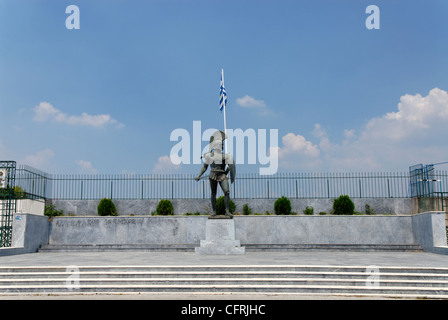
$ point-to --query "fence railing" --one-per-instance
(38, 184)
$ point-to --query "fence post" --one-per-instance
(388, 188)
(297, 190)
(360, 194)
(268, 189)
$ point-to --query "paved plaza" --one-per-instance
(331, 258)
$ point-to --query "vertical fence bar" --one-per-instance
(360, 194)
(268, 188)
(388, 188)
(297, 190)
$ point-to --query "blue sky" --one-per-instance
(105, 98)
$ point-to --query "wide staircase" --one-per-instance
(359, 281)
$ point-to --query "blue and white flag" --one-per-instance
(222, 93)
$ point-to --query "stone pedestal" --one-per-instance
(220, 238)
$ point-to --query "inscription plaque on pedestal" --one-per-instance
(220, 238)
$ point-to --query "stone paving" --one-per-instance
(404, 259)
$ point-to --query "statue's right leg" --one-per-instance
(213, 188)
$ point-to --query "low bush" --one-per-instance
(343, 206)
(106, 207)
(165, 208)
(308, 211)
(221, 208)
(51, 211)
(247, 210)
(369, 210)
(282, 206)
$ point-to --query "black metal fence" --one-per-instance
(36, 183)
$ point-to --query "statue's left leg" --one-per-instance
(225, 189)
(213, 189)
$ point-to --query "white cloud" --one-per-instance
(165, 165)
(415, 133)
(421, 111)
(299, 145)
(85, 167)
(248, 101)
(416, 115)
(318, 132)
(297, 153)
(45, 111)
(349, 134)
(258, 105)
(40, 159)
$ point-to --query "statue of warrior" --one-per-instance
(218, 171)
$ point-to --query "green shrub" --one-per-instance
(308, 210)
(221, 208)
(106, 208)
(322, 213)
(282, 206)
(196, 213)
(19, 193)
(343, 206)
(246, 210)
(50, 211)
(369, 210)
(165, 208)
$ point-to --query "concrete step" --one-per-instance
(395, 291)
(116, 247)
(199, 269)
(5, 283)
(116, 276)
(334, 247)
(349, 280)
(249, 247)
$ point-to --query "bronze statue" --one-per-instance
(218, 171)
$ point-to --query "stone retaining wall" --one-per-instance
(425, 229)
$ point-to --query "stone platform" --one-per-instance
(220, 238)
(261, 233)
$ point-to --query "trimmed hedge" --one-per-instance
(165, 208)
(343, 206)
(106, 207)
(282, 206)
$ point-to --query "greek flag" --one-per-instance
(222, 93)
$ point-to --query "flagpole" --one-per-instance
(224, 110)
